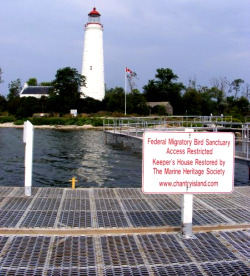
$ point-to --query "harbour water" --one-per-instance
(61, 154)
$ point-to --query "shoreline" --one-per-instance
(63, 127)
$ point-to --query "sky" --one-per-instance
(197, 39)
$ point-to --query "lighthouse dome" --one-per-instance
(94, 13)
(94, 16)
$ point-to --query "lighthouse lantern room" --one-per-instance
(93, 58)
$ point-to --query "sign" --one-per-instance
(188, 162)
(73, 112)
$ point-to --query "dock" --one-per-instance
(116, 231)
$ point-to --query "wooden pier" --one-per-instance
(121, 232)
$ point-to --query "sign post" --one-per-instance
(28, 134)
(187, 215)
(187, 163)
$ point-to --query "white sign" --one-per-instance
(73, 112)
(188, 162)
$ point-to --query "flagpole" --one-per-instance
(125, 87)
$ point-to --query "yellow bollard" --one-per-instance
(73, 180)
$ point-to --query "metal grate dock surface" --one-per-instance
(115, 208)
(121, 232)
(152, 254)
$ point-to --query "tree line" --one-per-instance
(223, 97)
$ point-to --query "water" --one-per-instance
(61, 154)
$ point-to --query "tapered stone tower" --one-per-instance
(93, 60)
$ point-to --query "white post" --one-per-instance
(186, 215)
(28, 135)
(125, 87)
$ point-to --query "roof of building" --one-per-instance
(36, 90)
(152, 104)
(94, 12)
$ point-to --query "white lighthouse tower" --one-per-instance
(93, 60)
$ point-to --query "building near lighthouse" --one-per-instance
(93, 58)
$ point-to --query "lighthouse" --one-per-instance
(93, 60)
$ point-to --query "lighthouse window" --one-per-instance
(90, 67)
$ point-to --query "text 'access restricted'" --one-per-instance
(188, 162)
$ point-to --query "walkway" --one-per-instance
(121, 232)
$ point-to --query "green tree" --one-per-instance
(136, 103)
(27, 107)
(3, 103)
(115, 99)
(236, 86)
(14, 90)
(192, 101)
(165, 88)
(89, 105)
(238, 108)
(32, 82)
(1, 73)
(66, 89)
(159, 110)
(46, 83)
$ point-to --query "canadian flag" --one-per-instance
(128, 70)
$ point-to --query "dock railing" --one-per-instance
(136, 126)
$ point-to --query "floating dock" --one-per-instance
(121, 232)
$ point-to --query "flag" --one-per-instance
(128, 71)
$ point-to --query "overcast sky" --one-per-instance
(199, 39)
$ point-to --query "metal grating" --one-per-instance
(243, 191)
(77, 204)
(104, 193)
(165, 204)
(129, 193)
(136, 204)
(183, 270)
(205, 217)
(219, 203)
(240, 241)
(17, 204)
(5, 191)
(39, 219)
(108, 204)
(145, 219)
(152, 254)
(171, 218)
(46, 204)
(120, 251)
(215, 253)
(28, 252)
(239, 215)
(163, 249)
(111, 219)
(50, 192)
(22, 272)
(20, 192)
(77, 193)
(242, 202)
(75, 219)
(10, 218)
(72, 272)
(226, 269)
(208, 248)
(3, 241)
(126, 271)
(72, 252)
